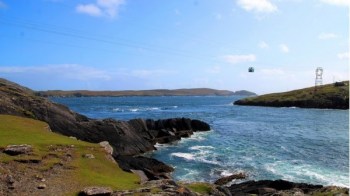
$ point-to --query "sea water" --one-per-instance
(300, 145)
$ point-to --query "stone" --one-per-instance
(100, 191)
(108, 148)
(18, 149)
(88, 156)
(41, 186)
(141, 174)
(227, 179)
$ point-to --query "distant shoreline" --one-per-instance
(156, 92)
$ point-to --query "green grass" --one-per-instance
(200, 187)
(85, 172)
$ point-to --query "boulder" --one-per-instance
(18, 149)
(152, 168)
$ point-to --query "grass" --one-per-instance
(86, 172)
(200, 187)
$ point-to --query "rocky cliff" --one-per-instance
(127, 137)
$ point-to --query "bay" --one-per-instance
(300, 145)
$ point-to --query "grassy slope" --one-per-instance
(86, 172)
(326, 96)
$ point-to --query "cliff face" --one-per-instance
(127, 137)
(332, 96)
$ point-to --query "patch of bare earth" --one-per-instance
(50, 174)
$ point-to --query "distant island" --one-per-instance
(156, 92)
(331, 96)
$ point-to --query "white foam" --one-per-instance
(186, 156)
(201, 147)
(134, 110)
(298, 172)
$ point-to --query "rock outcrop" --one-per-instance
(282, 187)
(126, 137)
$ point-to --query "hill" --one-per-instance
(156, 92)
(332, 96)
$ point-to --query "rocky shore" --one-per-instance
(130, 139)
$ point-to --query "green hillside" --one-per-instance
(60, 160)
(333, 96)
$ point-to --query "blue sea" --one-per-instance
(300, 145)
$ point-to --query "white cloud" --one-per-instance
(90, 9)
(263, 45)
(71, 71)
(327, 36)
(108, 8)
(344, 55)
(337, 2)
(234, 59)
(284, 48)
(258, 6)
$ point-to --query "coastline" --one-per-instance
(131, 128)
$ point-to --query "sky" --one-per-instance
(157, 44)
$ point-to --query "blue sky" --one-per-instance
(136, 44)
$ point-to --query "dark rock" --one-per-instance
(269, 187)
(18, 149)
(227, 179)
(152, 168)
(100, 191)
(41, 186)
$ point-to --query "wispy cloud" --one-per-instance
(146, 73)
(218, 16)
(263, 45)
(71, 71)
(257, 6)
(90, 9)
(343, 55)
(327, 36)
(284, 48)
(273, 71)
(337, 2)
(213, 70)
(108, 8)
(177, 12)
(235, 59)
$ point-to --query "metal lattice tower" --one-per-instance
(318, 80)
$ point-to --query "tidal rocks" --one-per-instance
(270, 187)
(227, 179)
(18, 149)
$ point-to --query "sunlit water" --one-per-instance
(301, 145)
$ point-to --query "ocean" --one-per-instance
(295, 144)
